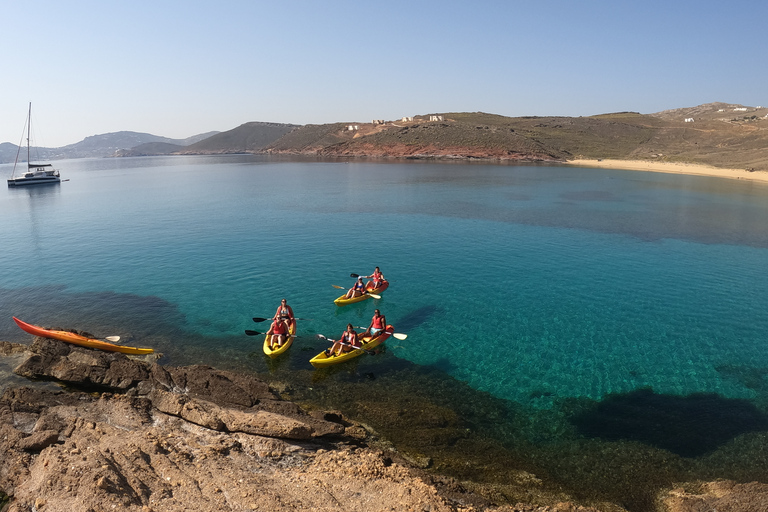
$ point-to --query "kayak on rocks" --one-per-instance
(77, 339)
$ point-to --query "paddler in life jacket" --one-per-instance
(376, 279)
(348, 337)
(285, 314)
(378, 324)
(356, 290)
(279, 332)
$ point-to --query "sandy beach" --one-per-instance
(669, 167)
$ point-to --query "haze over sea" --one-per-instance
(539, 285)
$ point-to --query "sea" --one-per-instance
(589, 333)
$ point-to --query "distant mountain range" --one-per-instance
(105, 145)
(719, 134)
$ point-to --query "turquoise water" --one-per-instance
(575, 282)
(533, 283)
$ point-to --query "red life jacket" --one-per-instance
(279, 328)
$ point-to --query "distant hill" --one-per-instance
(719, 134)
(104, 145)
(151, 149)
(247, 138)
(8, 152)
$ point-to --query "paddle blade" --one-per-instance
(339, 287)
(374, 295)
(252, 333)
(399, 335)
(257, 319)
(354, 275)
(113, 339)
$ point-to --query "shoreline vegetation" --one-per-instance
(670, 167)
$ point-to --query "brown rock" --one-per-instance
(39, 441)
(724, 495)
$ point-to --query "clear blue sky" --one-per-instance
(177, 69)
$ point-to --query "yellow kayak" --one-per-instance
(343, 301)
(76, 339)
(286, 345)
(321, 360)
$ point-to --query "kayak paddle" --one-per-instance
(397, 335)
(259, 319)
(346, 344)
(248, 332)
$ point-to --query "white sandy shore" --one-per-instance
(645, 165)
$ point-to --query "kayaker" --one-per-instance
(278, 330)
(285, 314)
(376, 279)
(348, 337)
(356, 290)
(378, 323)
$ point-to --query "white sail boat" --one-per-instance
(36, 173)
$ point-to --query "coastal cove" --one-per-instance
(541, 303)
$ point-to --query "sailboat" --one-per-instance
(36, 173)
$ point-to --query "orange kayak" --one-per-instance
(77, 339)
(370, 289)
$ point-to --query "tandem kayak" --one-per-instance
(286, 345)
(76, 339)
(343, 301)
(321, 360)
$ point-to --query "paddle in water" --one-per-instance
(397, 335)
(259, 319)
(249, 332)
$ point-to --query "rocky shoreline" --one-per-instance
(130, 434)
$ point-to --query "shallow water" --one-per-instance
(543, 287)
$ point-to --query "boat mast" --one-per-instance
(29, 127)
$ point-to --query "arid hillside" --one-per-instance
(717, 134)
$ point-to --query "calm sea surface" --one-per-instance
(539, 286)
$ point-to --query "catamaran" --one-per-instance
(36, 173)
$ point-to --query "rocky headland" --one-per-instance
(122, 433)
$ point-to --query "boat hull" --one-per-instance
(76, 339)
(286, 345)
(19, 182)
(321, 360)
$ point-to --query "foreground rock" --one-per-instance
(133, 435)
(138, 436)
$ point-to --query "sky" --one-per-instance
(178, 69)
